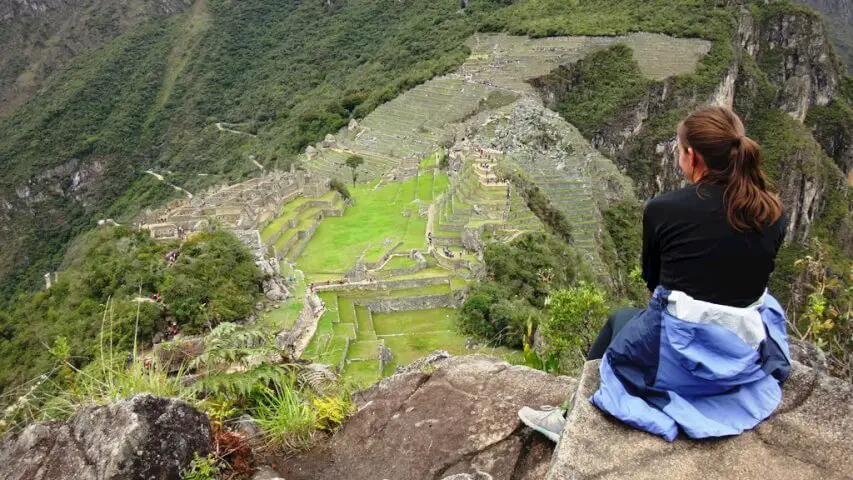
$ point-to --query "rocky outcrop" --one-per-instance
(145, 437)
(272, 284)
(11, 10)
(797, 56)
(455, 416)
(809, 437)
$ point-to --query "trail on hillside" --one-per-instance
(226, 129)
(160, 177)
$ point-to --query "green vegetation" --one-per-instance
(520, 276)
(353, 162)
(339, 187)
(371, 227)
(832, 127)
(152, 98)
(202, 468)
(197, 293)
(602, 86)
(538, 203)
(624, 223)
(113, 266)
(575, 316)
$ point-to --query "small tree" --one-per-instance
(353, 162)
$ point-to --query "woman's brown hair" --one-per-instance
(733, 160)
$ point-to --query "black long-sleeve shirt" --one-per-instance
(689, 245)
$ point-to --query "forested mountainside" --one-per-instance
(838, 15)
(39, 36)
(202, 95)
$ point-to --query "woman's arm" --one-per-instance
(651, 252)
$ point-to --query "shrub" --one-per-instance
(340, 187)
(575, 316)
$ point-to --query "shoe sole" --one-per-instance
(551, 435)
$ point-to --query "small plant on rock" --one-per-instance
(286, 416)
(202, 468)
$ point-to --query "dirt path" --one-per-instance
(160, 177)
(226, 129)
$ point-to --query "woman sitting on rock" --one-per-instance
(709, 352)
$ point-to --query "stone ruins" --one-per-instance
(242, 207)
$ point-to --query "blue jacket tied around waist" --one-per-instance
(661, 372)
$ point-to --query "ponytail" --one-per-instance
(749, 205)
(733, 160)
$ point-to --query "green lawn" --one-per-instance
(408, 348)
(285, 316)
(415, 233)
(346, 310)
(429, 161)
(362, 373)
(417, 321)
(425, 185)
(399, 262)
(365, 329)
(376, 216)
(439, 185)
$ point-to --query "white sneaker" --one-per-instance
(548, 421)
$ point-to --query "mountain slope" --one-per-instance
(39, 36)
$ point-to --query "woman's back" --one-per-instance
(689, 245)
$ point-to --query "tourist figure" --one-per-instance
(708, 354)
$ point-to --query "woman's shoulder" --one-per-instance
(673, 200)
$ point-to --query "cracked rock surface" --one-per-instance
(458, 416)
(145, 437)
(809, 437)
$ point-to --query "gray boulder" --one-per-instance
(145, 437)
(457, 416)
(809, 437)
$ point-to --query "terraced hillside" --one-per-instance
(477, 201)
(287, 234)
(488, 102)
(414, 124)
(384, 275)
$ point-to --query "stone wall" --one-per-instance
(405, 304)
(447, 241)
(451, 263)
(386, 284)
(304, 236)
(396, 272)
(385, 256)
